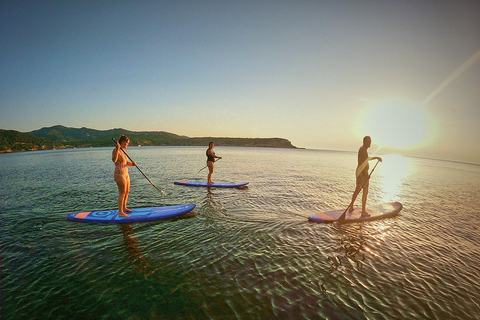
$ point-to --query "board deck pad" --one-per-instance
(138, 214)
(205, 184)
(379, 211)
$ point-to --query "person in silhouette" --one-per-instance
(121, 176)
(362, 174)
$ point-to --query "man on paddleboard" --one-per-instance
(362, 174)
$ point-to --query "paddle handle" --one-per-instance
(207, 166)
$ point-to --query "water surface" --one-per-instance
(245, 253)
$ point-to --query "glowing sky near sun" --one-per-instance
(319, 73)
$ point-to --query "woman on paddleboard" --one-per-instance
(211, 161)
(120, 175)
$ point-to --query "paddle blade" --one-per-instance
(163, 192)
(341, 219)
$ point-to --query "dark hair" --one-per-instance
(210, 144)
(123, 138)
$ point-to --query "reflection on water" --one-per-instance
(350, 252)
(355, 245)
(134, 251)
(393, 171)
(212, 204)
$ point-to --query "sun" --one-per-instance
(396, 124)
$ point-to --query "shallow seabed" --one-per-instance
(244, 253)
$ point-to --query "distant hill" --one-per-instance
(14, 141)
(61, 137)
(85, 137)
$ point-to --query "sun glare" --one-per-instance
(393, 170)
(397, 124)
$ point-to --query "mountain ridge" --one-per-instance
(60, 136)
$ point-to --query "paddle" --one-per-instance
(342, 217)
(206, 166)
(163, 192)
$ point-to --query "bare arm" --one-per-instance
(210, 153)
(115, 153)
(115, 156)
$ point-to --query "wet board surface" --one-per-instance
(138, 214)
(379, 211)
(205, 184)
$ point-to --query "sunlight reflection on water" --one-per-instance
(394, 169)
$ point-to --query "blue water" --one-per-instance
(244, 253)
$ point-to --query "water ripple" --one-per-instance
(243, 253)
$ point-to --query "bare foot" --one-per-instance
(210, 182)
(350, 209)
(123, 215)
(365, 214)
(128, 210)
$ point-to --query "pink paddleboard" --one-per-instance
(379, 211)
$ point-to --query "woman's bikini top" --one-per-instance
(209, 157)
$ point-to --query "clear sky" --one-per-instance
(319, 73)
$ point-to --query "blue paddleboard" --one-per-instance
(379, 211)
(138, 214)
(204, 184)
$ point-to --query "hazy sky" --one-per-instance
(319, 73)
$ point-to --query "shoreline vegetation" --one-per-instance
(61, 137)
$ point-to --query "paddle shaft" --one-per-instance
(163, 192)
(206, 166)
(342, 217)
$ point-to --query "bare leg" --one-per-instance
(354, 196)
(364, 201)
(211, 167)
(127, 192)
(121, 184)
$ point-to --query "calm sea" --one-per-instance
(244, 253)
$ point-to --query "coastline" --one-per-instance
(61, 137)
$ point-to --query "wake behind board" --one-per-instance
(379, 211)
(204, 184)
(138, 214)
